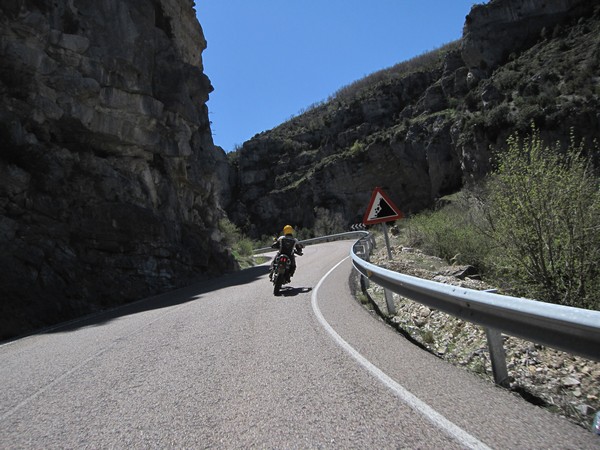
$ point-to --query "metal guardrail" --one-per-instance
(573, 330)
(320, 240)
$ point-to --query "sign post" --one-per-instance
(387, 240)
(381, 210)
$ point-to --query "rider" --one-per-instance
(288, 245)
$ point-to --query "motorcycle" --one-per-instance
(280, 271)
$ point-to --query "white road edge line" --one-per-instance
(451, 429)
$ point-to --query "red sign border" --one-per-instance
(399, 214)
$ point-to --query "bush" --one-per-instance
(536, 225)
(245, 247)
(453, 232)
(544, 211)
(240, 245)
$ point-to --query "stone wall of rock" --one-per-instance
(494, 30)
(108, 172)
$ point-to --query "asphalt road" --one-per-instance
(225, 364)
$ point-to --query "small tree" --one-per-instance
(545, 216)
(241, 246)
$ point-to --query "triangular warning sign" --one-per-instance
(381, 209)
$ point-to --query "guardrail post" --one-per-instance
(362, 251)
(367, 256)
(389, 300)
(497, 356)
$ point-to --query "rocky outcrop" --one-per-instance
(332, 157)
(495, 30)
(429, 126)
(108, 172)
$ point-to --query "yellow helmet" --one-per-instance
(288, 229)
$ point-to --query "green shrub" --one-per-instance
(453, 232)
(498, 116)
(240, 245)
(357, 147)
(231, 233)
(544, 211)
(534, 228)
(245, 247)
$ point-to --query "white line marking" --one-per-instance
(454, 431)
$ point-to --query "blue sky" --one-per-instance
(269, 59)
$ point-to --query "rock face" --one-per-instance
(332, 157)
(108, 172)
(427, 127)
(495, 30)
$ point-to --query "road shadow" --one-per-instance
(167, 299)
(288, 291)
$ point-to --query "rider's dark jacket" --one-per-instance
(286, 245)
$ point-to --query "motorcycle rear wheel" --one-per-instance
(277, 282)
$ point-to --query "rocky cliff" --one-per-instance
(108, 172)
(494, 30)
(427, 127)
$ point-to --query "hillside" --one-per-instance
(426, 127)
